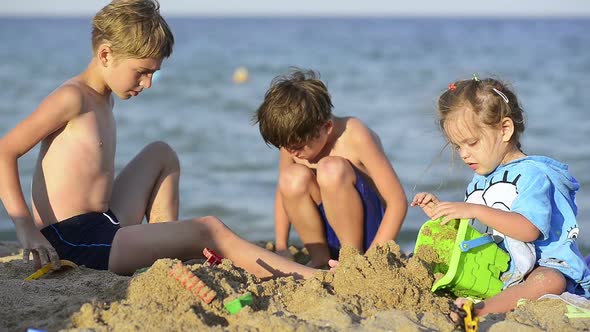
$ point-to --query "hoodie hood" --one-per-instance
(559, 175)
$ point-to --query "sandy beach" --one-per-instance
(381, 291)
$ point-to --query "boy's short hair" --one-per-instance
(294, 109)
(134, 29)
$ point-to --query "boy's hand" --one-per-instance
(453, 210)
(35, 243)
(427, 202)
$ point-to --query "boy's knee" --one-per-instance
(295, 180)
(123, 240)
(164, 153)
(334, 172)
(208, 226)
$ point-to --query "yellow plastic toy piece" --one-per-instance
(471, 321)
(48, 268)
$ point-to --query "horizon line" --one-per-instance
(320, 15)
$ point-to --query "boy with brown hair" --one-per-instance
(81, 212)
(336, 185)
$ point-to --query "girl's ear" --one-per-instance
(104, 53)
(507, 127)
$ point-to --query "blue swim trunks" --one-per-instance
(85, 239)
(373, 211)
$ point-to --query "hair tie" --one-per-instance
(501, 95)
(452, 87)
(475, 78)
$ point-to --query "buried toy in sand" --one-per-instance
(192, 283)
(48, 268)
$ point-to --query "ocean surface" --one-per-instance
(386, 71)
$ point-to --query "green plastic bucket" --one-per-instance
(470, 261)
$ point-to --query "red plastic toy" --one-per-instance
(192, 283)
(213, 258)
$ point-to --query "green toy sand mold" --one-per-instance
(470, 261)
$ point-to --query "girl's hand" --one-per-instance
(453, 210)
(427, 202)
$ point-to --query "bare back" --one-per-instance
(74, 172)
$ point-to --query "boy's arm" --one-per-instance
(282, 224)
(379, 168)
(52, 114)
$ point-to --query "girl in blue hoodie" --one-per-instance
(527, 202)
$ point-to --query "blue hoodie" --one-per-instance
(542, 190)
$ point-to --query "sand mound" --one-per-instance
(382, 291)
(383, 282)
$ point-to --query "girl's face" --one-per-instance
(481, 147)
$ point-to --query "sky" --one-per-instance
(501, 8)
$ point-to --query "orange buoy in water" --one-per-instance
(240, 75)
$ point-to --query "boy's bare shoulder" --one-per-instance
(67, 99)
(358, 131)
(354, 123)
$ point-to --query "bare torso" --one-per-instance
(74, 172)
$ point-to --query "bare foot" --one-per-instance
(320, 266)
(457, 312)
(333, 264)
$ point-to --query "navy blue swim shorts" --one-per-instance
(373, 212)
(85, 239)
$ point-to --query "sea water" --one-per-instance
(388, 72)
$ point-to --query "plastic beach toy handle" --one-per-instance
(480, 241)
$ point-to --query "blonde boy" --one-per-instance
(336, 185)
(80, 211)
